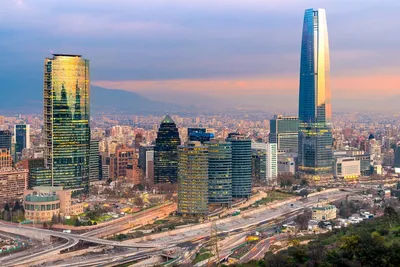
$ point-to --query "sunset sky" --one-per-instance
(241, 52)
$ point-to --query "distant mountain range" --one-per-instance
(102, 100)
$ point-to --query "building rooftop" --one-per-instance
(167, 119)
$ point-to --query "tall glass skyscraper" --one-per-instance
(66, 120)
(315, 129)
(166, 152)
(241, 165)
(219, 172)
(22, 137)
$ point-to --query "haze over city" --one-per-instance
(205, 53)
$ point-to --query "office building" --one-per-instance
(5, 140)
(219, 172)
(347, 168)
(199, 134)
(193, 179)
(66, 121)
(22, 137)
(259, 161)
(94, 164)
(12, 184)
(284, 131)
(315, 114)
(143, 149)
(241, 165)
(166, 152)
(272, 164)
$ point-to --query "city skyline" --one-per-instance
(161, 55)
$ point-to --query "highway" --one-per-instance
(17, 229)
(141, 219)
(153, 244)
(238, 223)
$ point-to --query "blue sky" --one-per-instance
(246, 52)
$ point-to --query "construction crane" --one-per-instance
(214, 244)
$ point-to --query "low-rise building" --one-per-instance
(322, 213)
(346, 168)
(42, 203)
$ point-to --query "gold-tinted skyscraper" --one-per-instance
(66, 120)
(315, 114)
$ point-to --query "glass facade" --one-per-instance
(284, 132)
(66, 120)
(94, 162)
(5, 140)
(166, 152)
(199, 134)
(241, 165)
(22, 137)
(315, 129)
(193, 179)
(219, 172)
(259, 161)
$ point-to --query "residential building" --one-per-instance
(12, 184)
(272, 164)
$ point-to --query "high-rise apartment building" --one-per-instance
(22, 137)
(284, 132)
(241, 165)
(94, 162)
(219, 172)
(12, 184)
(66, 120)
(166, 152)
(193, 179)
(315, 114)
(272, 164)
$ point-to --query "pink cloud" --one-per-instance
(342, 86)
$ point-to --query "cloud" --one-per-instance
(209, 47)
